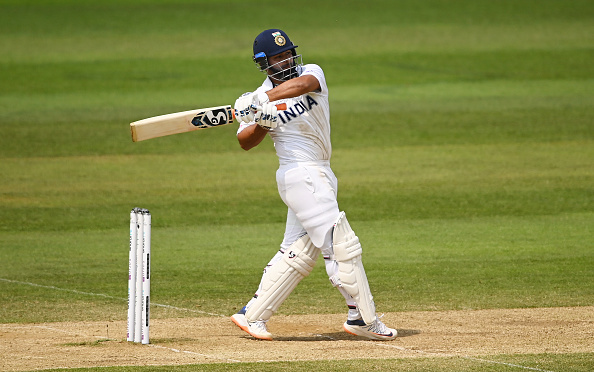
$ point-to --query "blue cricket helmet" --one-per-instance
(272, 42)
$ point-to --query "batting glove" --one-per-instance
(267, 116)
(259, 99)
(243, 108)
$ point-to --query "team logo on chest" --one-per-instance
(298, 109)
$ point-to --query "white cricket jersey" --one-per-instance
(303, 132)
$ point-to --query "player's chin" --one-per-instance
(291, 73)
(287, 74)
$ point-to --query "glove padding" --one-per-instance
(267, 116)
(244, 112)
(259, 99)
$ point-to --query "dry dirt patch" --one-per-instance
(307, 337)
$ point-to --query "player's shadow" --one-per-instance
(340, 336)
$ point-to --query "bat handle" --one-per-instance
(280, 106)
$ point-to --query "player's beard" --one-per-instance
(284, 74)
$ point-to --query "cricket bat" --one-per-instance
(185, 121)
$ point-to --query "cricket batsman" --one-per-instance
(307, 185)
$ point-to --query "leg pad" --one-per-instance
(282, 277)
(347, 253)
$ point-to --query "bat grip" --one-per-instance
(280, 106)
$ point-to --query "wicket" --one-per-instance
(139, 278)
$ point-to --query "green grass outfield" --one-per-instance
(463, 135)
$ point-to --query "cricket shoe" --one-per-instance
(375, 331)
(240, 320)
(256, 329)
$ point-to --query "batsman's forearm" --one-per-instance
(294, 88)
(251, 137)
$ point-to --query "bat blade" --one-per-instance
(185, 121)
(181, 122)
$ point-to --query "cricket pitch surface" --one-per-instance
(466, 334)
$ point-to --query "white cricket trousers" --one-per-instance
(309, 190)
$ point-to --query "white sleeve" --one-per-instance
(318, 73)
(243, 125)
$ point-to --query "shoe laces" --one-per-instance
(260, 325)
(377, 326)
